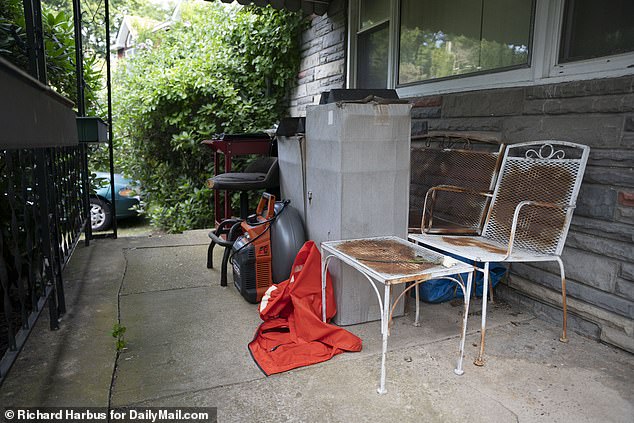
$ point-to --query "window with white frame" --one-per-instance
(592, 29)
(451, 45)
(373, 44)
(445, 38)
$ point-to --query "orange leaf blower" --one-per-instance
(252, 255)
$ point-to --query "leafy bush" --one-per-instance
(218, 69)
(59, 46)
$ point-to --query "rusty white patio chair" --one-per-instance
(448, 212)
(470, 164)
(529, 216)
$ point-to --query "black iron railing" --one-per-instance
(42, 214)
(44, 184)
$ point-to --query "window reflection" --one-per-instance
(372, 57)
(440, 38)
(372, 12)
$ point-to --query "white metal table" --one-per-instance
(390, 261)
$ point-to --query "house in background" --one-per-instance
(128, 34)
(511, 71)
(133, 27)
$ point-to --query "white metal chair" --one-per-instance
(462, 213)
(529, 216)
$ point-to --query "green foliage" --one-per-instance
(59, 44)
(218, 69)
(427, 55)
(13, 33)
(93, 17)
(118, 332)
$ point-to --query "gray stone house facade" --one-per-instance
(323, 64)
(562, 89)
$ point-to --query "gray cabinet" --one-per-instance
(357, 177)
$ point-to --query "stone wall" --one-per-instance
(323, 60)
(599, 253)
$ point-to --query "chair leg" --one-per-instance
(244, 204)
(479, 361)
(564, 336)
(491, 289)
(223, 269)
(210, 255)
(233, 234)
(417, 319)
(459, 370)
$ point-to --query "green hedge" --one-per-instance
(217, 69)
(59, 45)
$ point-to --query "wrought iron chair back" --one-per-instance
(529, 217)
(449, 211)
(543, 179)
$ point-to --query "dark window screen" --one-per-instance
(372, 57)
(596, 28)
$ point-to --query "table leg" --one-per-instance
(385, 319)
(467, 297)
(479, 361)
(324, 261)
(417, 319)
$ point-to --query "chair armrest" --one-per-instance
(426, 224)
(516, 215)
(226, 224)
(224, 229)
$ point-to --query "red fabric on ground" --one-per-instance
(293, 334)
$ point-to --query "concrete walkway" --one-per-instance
(187, 346)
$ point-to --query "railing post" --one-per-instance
(41, 176)
(86, 194)
(6, 301)
(110, 129)
(58, 241)
(35, 37)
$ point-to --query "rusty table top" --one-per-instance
(392, 260)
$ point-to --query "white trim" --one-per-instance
(393, 49)
(616, 65)
(267, 296)
(622, 63)
(353, 24)
(543, 34)
(354, 29)
(555, 10)
(476, 82)
(544, 67)
(374, 25)
(506, 79)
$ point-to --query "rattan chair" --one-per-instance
(529, 216)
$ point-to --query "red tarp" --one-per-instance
(293, 334)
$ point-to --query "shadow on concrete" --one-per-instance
(187, 346)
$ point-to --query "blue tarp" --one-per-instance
(441, 290)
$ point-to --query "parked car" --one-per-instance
(127, 200)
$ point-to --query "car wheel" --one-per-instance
(100, 215)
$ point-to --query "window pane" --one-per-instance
(596, 29)
(373, 11)
(440, 38)
(372, 48)
(506, 27)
